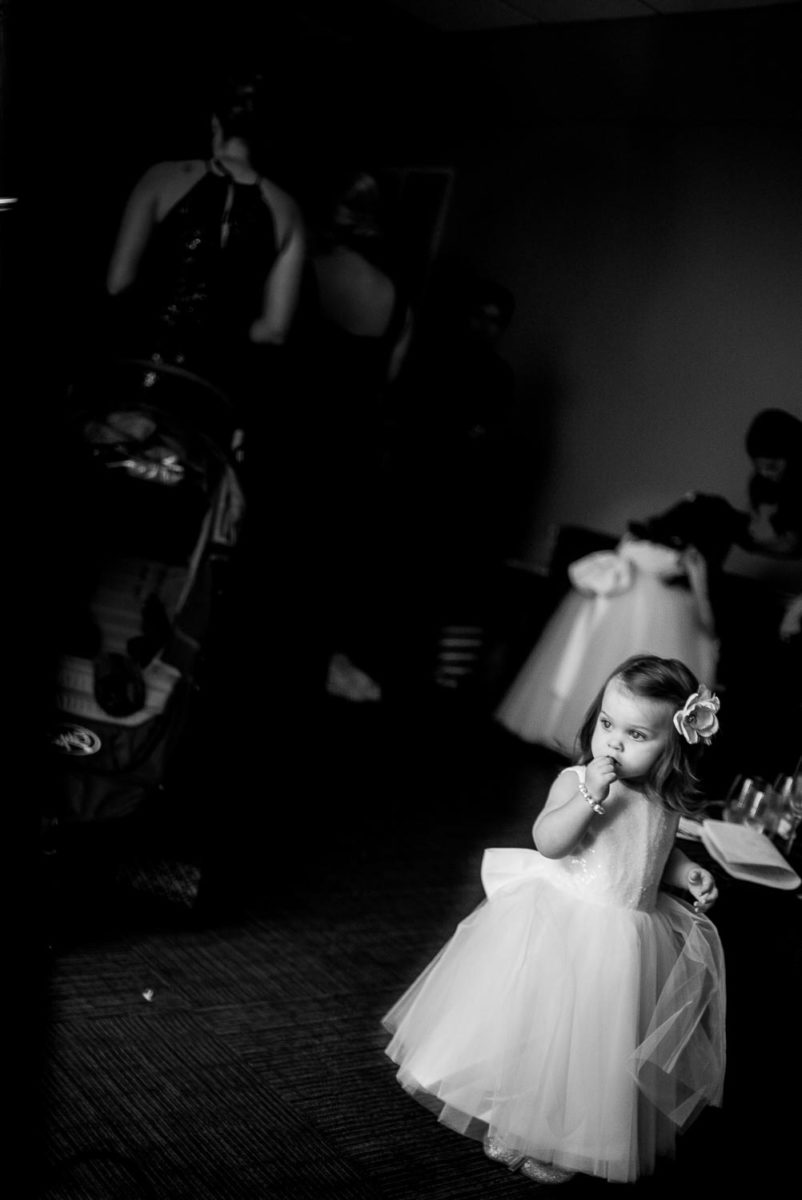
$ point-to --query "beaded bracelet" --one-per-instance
(594, 804)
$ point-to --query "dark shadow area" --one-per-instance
(215, 920)
(235, 1047)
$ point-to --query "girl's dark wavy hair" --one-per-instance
(672, 778)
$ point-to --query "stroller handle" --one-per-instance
(214, 420)
(169, 371)
(157, 369)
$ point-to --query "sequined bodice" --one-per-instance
(202, 280)
(621, 859)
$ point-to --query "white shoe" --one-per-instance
(348, 682)
(496, 1150)
(540, 1172)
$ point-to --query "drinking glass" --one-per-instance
(746, 801)
(789, 787)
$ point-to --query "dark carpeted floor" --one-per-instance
(232, 1050)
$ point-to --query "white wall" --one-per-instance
(658, 279)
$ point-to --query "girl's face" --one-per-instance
(632, 730)
(771, 469)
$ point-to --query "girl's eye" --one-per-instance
(637, 735)
(605, 724)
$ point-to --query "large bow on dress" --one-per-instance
(504, 865)
(603, 573)
(600, 576)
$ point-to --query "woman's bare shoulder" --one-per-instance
(162, 173)
(165, 183)
(282, 203)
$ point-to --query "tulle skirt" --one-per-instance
(585, 640)
(577, 1033)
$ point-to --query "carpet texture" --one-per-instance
(233, 1050)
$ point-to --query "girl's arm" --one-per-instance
(696, 566)
(283, 284)
(566, 814)
(791, 623)
(764, 538)
(681, 872)
(400, 349)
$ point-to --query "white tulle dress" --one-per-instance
(621, 603)
(577, 1015)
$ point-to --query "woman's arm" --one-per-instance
(283, 284)
(139, 218)
(567, 814)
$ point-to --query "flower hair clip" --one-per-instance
(697, 720)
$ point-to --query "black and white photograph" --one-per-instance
(404, 587)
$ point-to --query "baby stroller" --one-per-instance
(149, 457)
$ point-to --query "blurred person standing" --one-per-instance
(205, 278)
(460, 411)
(356, 326)
(761, 642)
(774, 445)
(208, 258)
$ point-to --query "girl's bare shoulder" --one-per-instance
(563, 787)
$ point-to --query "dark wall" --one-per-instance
(97, 94)
(636, 183)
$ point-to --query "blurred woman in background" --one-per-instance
(356, 326)
(209, 254)
(774, 444)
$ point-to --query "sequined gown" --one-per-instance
(578, 1013)
(202, 278)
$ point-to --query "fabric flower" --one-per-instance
(697, 721)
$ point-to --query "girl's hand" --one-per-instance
(791, 624)
(702, 887)
(600, 773)
(695, 564)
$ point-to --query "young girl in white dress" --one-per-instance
(575, 1020)
(651, 595)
